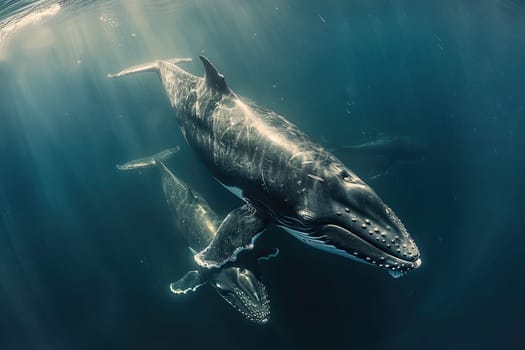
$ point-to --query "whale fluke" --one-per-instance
(147, 67)
(150, 161)
(214, 79)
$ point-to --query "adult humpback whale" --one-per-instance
(198, 223)
(282, 175)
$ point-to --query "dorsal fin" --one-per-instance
(214, 79)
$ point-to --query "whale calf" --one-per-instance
(281, 174)
(198, 223)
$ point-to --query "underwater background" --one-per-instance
(87, 252)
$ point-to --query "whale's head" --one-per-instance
(243, 291)
(347, 217)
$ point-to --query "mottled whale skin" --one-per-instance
(195, 220)
(284, 177)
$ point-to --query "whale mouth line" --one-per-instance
(367, 251)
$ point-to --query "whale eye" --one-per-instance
(346, 176)
(306, 214)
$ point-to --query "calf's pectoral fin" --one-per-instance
(236, 233)
(188, 283)
(265, 254)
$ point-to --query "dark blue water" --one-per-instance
(87, 253)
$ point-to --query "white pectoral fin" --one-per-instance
(188, 283)
(237, 232)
